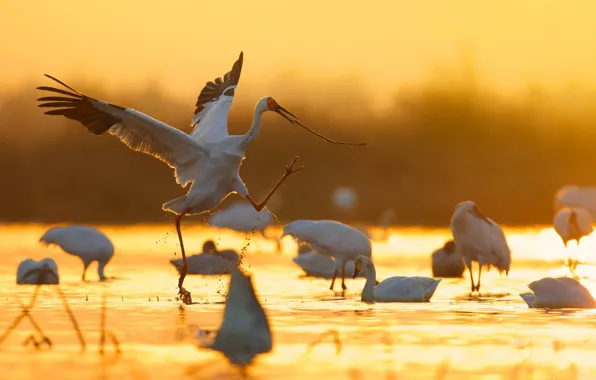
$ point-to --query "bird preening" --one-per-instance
(208, 158)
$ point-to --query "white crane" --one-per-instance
(209, 158)
(43, 272)
(572, 224)
(243, 217)
(244, 332)
(393, 289)
(88, 243)
(558, 293)
(331, 238)
(478, 238)
(577, 196)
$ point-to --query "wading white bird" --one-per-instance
(85, 242)
(43, 272)
(210, 262)
(393, 289)
(558, 293)
(209, 158)
(572, 224)
(244, 332)
(315, 264)
(447, 262)
(243, 217)
(478, 238)
(331, 238)
(576, 196)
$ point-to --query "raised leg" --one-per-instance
(183, 293)
(343, 277)
(289, 171)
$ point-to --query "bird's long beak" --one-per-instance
(294, 120)
(356, 270)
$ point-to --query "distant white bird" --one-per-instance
(447, 262)
(393, 289)
(572, 224)
(243, 217)
(209, 159)
(558, 293)
(87, 243)
(210, 262)
(43, 272)
(478, 238)
(331, 238)
(576, 196)
(316, 264)
(244, 332)
(344, 198)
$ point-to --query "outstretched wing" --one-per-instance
(211, 113)
(135, 129)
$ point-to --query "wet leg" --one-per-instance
(333, 281)
(343, 277)
(478, 282)
(183, 293)
(471, 277)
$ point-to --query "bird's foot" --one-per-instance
(290, 169)
(344, 287)
(184, 296)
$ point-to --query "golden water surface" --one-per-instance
(452, 337)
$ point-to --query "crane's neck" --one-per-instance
(253, 132)
(368, 293)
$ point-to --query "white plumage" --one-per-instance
(572, 224)
(43, 272)
(393, 289)
(447, 262)
(210, 262)
(315, 264)
(243, 217)
(209, 158)
(478, 238)
(244, 332)
(576, 196)
(87, 243)
(331, 238)
(558, 293)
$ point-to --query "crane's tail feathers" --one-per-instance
(176, 205)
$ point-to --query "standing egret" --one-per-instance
(243, 217)
(331, 238)
(209, 158)
(478, 238)
(85, 242)
(43, 272)
(572, 224)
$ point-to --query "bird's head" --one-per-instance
(209, 247)
(50, 236)
(269, 104)
(469, 207)
(361, 261)
(449, 246)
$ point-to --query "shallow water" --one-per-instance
(452, 337)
